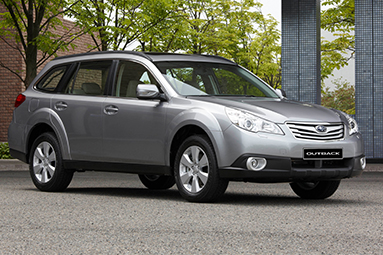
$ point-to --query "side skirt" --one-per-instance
(117, 167)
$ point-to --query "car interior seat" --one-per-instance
(91, 88)
(132, 88)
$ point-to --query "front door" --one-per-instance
(134, 129)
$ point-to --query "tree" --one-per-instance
(193, 29)
(342, 98)
(238, 30)
(253, 41)
(233, 29)
(207, 26)
(340, 21)
(166, 36)
(265, 52)
(30, 26)
(114, 24)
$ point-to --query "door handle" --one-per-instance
(110, 109)
(60, 106)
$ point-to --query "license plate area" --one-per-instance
(322, 154)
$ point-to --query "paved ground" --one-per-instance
(109, 213)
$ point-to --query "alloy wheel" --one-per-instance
(194, 169)
(44, 162)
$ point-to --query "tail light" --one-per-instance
(19, 100)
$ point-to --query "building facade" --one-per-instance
(369, 74)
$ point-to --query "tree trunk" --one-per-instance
(31, 47)
(30, 64)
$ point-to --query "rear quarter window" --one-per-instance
(51, 80)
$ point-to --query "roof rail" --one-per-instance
(105, 52)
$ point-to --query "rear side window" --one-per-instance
(52, 79)
(90, 78)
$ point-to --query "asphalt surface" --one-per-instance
(110, 213)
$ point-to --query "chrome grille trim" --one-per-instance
(307, 131)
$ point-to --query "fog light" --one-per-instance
(256, 164)
(363, 163)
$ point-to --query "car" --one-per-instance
(197, 121)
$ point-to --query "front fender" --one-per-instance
(202, 119)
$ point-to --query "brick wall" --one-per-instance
(10, 84)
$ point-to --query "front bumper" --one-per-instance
(283, 169)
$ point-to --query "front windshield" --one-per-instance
(211, 79)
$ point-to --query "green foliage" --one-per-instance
(265, 52)
(230, 28)
(115, 24)
(193, 28)
(4, 151)
(233, 29)
(340, 21)
(342, 98)
(32, 24)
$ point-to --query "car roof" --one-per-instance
(160, 57)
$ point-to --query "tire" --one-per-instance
(196, 171)
(157, 182)
(46, 165)
(315, 190)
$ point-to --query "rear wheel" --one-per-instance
(196, 171)
(315, 190)
(157, 181)
(46, 166)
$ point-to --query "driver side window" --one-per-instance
(129, 75)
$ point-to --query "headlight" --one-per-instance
(352, 125)
(251, 122)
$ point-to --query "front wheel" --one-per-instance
(46, 166)
(157, 182)
(196, 171)
(315, 190)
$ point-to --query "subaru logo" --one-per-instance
(321, 129)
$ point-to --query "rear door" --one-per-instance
(80, 108)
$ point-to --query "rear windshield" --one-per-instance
(213, 79)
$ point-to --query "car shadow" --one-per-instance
(281, 200)
(229, 198)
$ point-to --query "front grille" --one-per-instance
(309, 131)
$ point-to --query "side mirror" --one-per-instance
(281, 93)
(149, 91)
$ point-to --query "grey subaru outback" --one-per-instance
(196, 121)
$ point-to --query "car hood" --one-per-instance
(277, 110)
